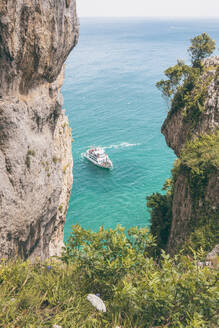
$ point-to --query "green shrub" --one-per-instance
(138, 291)
(27, 160)
(65, 168)
(202, 154)
(161, 217)
(55, 159)
(107, 256)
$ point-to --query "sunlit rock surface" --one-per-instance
(35, 139)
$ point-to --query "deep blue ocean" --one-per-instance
(111, 101)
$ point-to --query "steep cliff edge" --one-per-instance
(35, 139)
(193, 135)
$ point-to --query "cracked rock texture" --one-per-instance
(177, 131)
(35, 139)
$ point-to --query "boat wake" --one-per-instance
(122, 145)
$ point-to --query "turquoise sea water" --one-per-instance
(111, 101)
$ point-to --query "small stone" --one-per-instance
(213, 257)
(214, 253)
(96, 302)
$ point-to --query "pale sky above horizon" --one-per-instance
(148, 8)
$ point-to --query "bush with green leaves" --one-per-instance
(106, 256)
(160, 207)
(138, 291)
(199, 158)
(202, 154)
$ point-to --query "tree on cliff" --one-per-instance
(202, 46)
(169, 87)
(182, 76)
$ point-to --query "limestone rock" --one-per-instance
(35, 139)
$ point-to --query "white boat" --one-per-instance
(98, 157)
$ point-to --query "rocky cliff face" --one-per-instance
(35, 139)
(186, 207)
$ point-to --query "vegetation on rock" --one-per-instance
(186, 86)
(186, 90)
(202, 154)
(198, 160)
(160, 206)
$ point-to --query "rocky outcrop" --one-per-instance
(35, 139)
(177, 130)
(187, 209)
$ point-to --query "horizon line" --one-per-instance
(158, 17)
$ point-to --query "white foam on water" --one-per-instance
(122, 145)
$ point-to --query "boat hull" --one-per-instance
(109, 166)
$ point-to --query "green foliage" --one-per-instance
(161, 217)
(108, 255)
(189, 92)
(137, 291)
(60, 208)
(186, 86)
(65, 167)
(202, 154)
(55, 159)
(166, 89)
(40, 295)
(203, 235)
(186, 89)
(195, 96)
(176, 75)
(202, 46)
(198, 160)
(28, 155)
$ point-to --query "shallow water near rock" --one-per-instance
(111, 101)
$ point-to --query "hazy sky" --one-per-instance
(119, 8)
